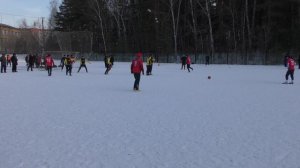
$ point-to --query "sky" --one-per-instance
(16, 10)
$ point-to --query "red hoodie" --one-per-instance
(137, 65)
(291, 64)
(49, 61)
(188, 60)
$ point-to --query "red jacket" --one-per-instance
(49, 61)
(291, 64)
(137, 66)
(188, 60)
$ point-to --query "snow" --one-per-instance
(242, 117)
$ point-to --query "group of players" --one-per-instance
(136, 65)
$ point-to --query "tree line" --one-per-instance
(241, 31)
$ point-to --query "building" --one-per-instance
(8, 37)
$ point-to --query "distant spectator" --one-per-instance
(14, 61)
(285, 60)
(183, 62)
(207, 60)
(27, 59)
(8, 60)
(3, 60)
(38, 61)
(62, 62)
(30, 62)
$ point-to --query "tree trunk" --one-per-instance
(244, 42)
(175, 22)
(97, 10)
(212, 45)
(124, 34)
(194, 29)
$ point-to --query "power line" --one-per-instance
(28, 16)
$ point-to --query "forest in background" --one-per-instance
(229, 31)
(245, 30)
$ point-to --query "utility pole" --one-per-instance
(43, 37)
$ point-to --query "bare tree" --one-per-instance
(174, 6)
(206, 8)
(53, 12)
(23, 24)
(64, 40)
(232, 10)
(117, 9)
(194, 26)
(96, 7)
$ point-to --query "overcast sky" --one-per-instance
(13, 11)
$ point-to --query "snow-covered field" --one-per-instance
(242, 118)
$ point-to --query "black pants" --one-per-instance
(62, 66)
(30, 66)
(84, 67)
(183, 66)
(108, 68)
(49, 69)
(69, 69)
(137, 77)
(206, 62)
(14, 67)
(3, 68)
(189, 67)
(149, 70)
(289, 72)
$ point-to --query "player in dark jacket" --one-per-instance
(149, 64)
(69, 66)
(30, 64)
(108, 65)
(112, 60)
(62, 62)
(14, 61)
(105, 60)
(183, 62)
(3, 60)
(82, 64)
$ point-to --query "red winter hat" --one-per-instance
(139, 54)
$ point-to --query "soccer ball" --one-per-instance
(209, 77)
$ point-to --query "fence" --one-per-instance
(220, 58)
